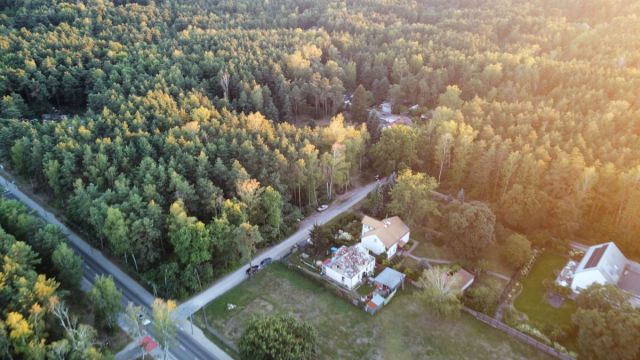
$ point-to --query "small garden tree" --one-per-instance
(106, 297)
(134, 317)
(374, 203)
(439, 291)
(481, 298)
(470, 228)
(321, 237)
(411, 197)
(164, 324)
(516, 250)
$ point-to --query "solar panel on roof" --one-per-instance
(596, 256)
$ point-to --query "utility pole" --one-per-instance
(204, 312)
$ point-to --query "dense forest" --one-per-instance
(184, 148)
(38, 272)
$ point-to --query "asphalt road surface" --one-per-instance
(343, 203)
(186, 347)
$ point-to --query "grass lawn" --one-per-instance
(492, 282)
(365, 289)
(402, 330)
(428, 250)
(532, 299)
(491, 255)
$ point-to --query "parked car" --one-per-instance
(252, 270)
(144, 320)
(265, 262)
(323, 207)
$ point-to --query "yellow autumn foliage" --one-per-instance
(44, 288)
(19, 326)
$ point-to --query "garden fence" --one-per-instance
(518, 335)
(352, 297)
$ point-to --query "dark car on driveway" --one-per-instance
(9, 195)
(265, 262)
(252, 270)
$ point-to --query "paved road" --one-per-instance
(187, 348)
(342, 204)
(191, 341)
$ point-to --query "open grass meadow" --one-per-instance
(402, 330)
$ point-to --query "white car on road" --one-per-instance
(323, 207)
(144, 320)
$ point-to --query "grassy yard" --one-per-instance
(491, 255)
(365, 289)
(495, 262)
(429, 250)
(532, 299)
(492, 282)
(402, 330)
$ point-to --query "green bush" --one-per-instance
(516, 251)
(411, 273)
(502, 233)
(481, 298)
(275, 337)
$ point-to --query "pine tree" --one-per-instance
(360, 105)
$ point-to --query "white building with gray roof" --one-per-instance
(605, 264)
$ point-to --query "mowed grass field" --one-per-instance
(532, 299)
(401, 330)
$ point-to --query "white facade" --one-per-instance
(587, 278)
(384, 236)
(349, 266)
(602, 264)
(373, 244)
(349, 282)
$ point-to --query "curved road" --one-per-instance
(191, 342)
(340, 205)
